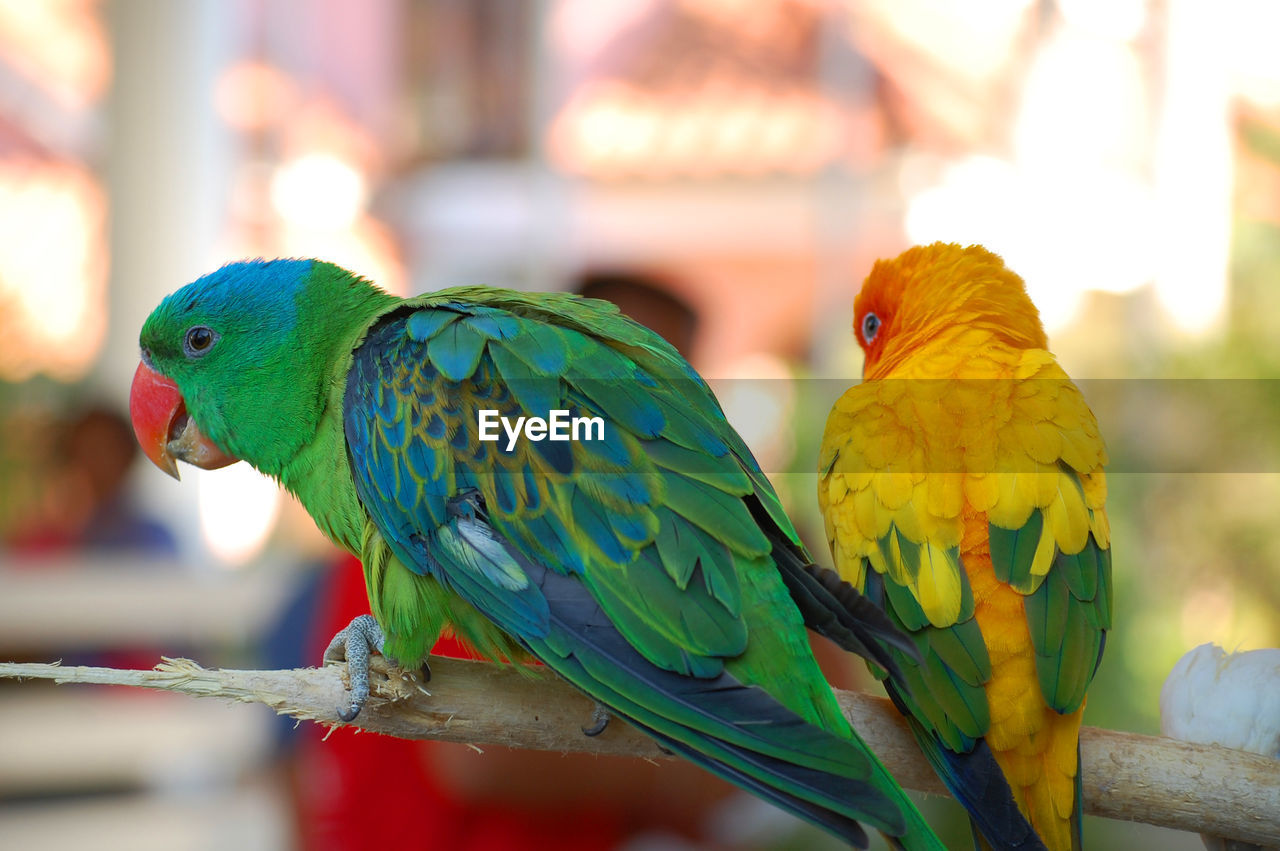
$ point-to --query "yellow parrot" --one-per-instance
(963, 491)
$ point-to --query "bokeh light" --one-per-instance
(318, 191)
(52, 298)
(238, 508)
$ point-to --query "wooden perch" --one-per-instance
(1127, 776)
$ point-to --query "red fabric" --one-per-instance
(362, 790)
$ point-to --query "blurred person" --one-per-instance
(86, 503)
(647, 298)
(85, 508)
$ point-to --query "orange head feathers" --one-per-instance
(927, 290)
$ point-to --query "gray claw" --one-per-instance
(599, 720)
(361, 637)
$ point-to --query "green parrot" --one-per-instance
(648, 562)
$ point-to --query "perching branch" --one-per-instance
(1159, 781)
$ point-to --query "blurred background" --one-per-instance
(726, 170)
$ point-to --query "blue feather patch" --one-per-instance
(422, 325)
(456, 351)
(493, 324)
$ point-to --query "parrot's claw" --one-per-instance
(425, 673)
(599, 720)
(354, 644)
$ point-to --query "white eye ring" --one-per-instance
(198, 340)
(870, 327)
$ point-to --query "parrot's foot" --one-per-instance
(599, 720)
(354, 644)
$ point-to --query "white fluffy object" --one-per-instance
(1228, 699)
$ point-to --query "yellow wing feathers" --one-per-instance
(911, 455)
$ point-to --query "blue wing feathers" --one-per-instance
(493, 324)
(596, 525)
(456, 350)
(533, 390)
(624, 578)
(422, 325)
(975, 779)
(557, 453)
(545, 353)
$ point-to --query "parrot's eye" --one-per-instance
(870, 325)
(199, 340)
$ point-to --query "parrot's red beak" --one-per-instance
(165, 431)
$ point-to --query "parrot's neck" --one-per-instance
(967, 351)
(320, 477)
(319, 473)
